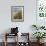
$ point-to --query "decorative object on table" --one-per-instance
(14, 30)
(17, 13)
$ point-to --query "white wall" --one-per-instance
(29, 15)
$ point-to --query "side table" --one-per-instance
(9, 34)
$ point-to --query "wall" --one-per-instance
(29, 15)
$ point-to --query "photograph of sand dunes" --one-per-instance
(17, 13)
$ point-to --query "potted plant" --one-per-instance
(39, 35)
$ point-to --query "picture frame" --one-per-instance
(41, 8)
(41, 12)
(17, 13)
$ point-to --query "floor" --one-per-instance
(13, 44)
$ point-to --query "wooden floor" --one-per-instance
(13, 44)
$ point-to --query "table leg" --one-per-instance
(17, 39)
(5, 40)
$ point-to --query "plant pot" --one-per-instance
(38, 40)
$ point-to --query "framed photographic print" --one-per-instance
(17, 13)
(41, 12)
(41, 8)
